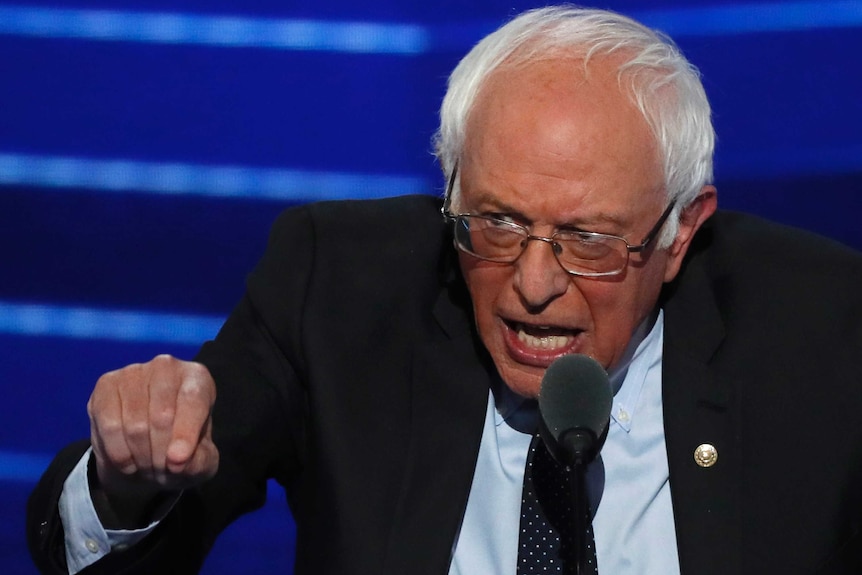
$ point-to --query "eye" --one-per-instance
(508, 218)
(587, 245)
(589, 238)
(503, 226)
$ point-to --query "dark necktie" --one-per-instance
(547, 543)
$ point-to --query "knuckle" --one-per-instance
(136, 429)
(123, 463)
(199, 373)
(196, 369)
(110, 456)
(109, 426)
(127, 377)
(162, 418)
(163, 361)
(107, 380)
(131, 371)
(101, 406)
(195, 389)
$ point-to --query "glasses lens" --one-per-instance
(580, 253)
(591, 254)
(488, 238)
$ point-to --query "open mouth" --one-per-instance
(541, 340)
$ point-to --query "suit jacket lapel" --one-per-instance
(699, 409)
(451, 380)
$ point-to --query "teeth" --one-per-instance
(549, 342)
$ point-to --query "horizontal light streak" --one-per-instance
(22, 466)
(79, 322)
(406, 39)
(125, 175)
(733, 19)
(223, 31)
(245, 182)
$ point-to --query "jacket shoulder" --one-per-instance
(734, 240)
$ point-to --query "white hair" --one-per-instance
(664, 86)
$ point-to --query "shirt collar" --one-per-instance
(628, 376)
(518, 412)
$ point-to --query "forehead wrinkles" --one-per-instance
(574, 87)
(564, 122)
(645, 83)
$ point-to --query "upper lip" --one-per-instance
(549, 328)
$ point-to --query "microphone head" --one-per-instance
(575, 402)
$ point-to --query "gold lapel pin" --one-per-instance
(705, 455)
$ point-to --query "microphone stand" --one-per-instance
(580, 446)
(580, 507)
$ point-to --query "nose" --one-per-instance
(539, 278)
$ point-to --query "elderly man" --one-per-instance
(384, 362)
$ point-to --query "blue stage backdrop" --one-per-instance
(146, 147)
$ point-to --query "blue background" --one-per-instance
(145, 148)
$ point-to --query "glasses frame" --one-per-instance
(528, 236)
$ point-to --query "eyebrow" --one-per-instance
(496, 205)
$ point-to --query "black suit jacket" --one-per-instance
(351, 372)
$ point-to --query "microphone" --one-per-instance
(575, 401)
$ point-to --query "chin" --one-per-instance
(524, 384)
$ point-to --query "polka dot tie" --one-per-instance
(547, 543)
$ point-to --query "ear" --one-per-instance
(692, 217)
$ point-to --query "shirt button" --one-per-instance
(623, 415)
(92, 545)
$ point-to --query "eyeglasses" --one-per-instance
(580, 253)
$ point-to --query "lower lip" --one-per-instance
(532, 356)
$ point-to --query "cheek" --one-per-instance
(610, 308)
(612, 301)
(617, 310)
(485, 280)
(487, 284)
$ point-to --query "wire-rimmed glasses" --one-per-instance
(580, 253)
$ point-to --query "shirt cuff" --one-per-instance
(87, 540)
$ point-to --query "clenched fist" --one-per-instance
(151, 431)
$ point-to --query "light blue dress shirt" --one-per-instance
(633, 525)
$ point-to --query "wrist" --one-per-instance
(134, 505)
